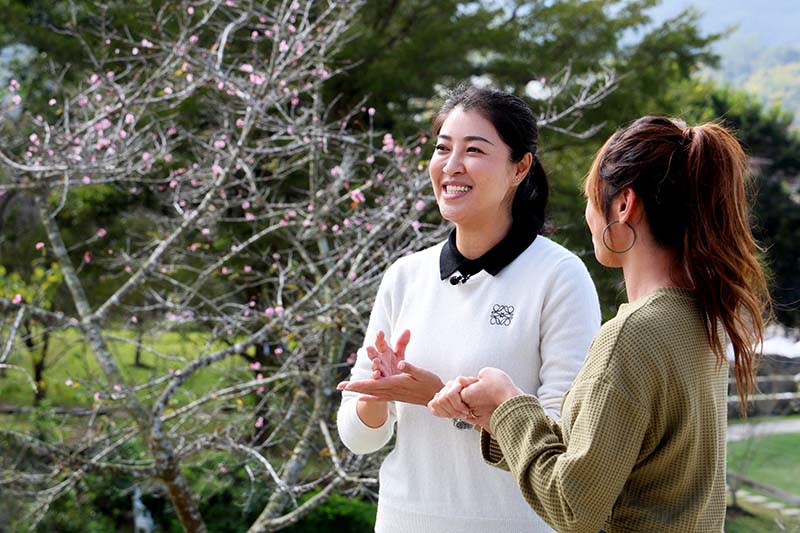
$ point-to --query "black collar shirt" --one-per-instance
(501, 255)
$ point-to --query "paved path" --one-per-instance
(745, 431)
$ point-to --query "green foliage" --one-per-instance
(338, 513)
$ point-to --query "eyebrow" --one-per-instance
(467, 138)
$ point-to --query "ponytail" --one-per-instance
(720, 252)
(692, 185)
(530, 198)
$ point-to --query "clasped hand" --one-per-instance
(394, 378)
(474, 399)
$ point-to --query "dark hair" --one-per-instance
(691, 181)
(516, 125)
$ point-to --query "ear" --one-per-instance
(523, 167)
(628, 206)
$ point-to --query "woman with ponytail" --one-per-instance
(496, 292)
(641, 442)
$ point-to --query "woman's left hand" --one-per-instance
(481, 395)
(412, 385)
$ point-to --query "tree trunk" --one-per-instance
(166, 464)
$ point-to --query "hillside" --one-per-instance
(761, 51)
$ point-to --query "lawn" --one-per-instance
(72, 376)
(768, 460)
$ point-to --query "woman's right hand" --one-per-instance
(384, 359)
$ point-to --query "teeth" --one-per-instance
(457, 188)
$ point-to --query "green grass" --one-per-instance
(767, 460)
(751, 519)
(73, 375)
(761, 419)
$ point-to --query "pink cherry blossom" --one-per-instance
(416, 225)
(257, 79)
(269, 311)
(249, 216)
(255, 366)
(247, 269)
(254, 35)
(357, 196)
(371, 111)
(68, 382)
(129, 118)
(146, 44)
(419, 205)
(278, 311)
(97, 396)
(240, 123)
(225, 271)
(246, 67)
(193, 39)
(117, 388)
(17, 99)
(135, 51)
(51, 102)
(190, 10)
(205, 231)
(102, 232)
(370, 159)
(283, 46)
(86, 180)
(87, 257)
(260, 422)
(134, 319)
(17, 299)
(128, 269)
(40, 245)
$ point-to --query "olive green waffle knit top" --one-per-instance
(641, 441)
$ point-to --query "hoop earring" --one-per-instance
(605, 232)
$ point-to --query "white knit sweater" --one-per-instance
(535, 320)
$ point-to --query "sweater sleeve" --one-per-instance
(572, 487)
(570, 319)
(357, 436)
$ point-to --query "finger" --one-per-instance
(466, 381)
(372, 353)
(376, 374)
(407, 368)
(450, 400)
(400, 346)
(380, 342)
(342, 385)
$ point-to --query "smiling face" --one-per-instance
(471, 171)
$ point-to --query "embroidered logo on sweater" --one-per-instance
(501, 315)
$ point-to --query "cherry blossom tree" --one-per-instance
(260, 224)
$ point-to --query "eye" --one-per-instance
(475, 149)
(441, 148)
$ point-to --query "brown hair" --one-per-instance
(692, 184)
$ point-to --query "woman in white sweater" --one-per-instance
(496, 293)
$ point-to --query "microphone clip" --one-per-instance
(459, 278)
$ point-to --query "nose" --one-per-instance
(454, 165)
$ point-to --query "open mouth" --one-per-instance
(456, 189)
